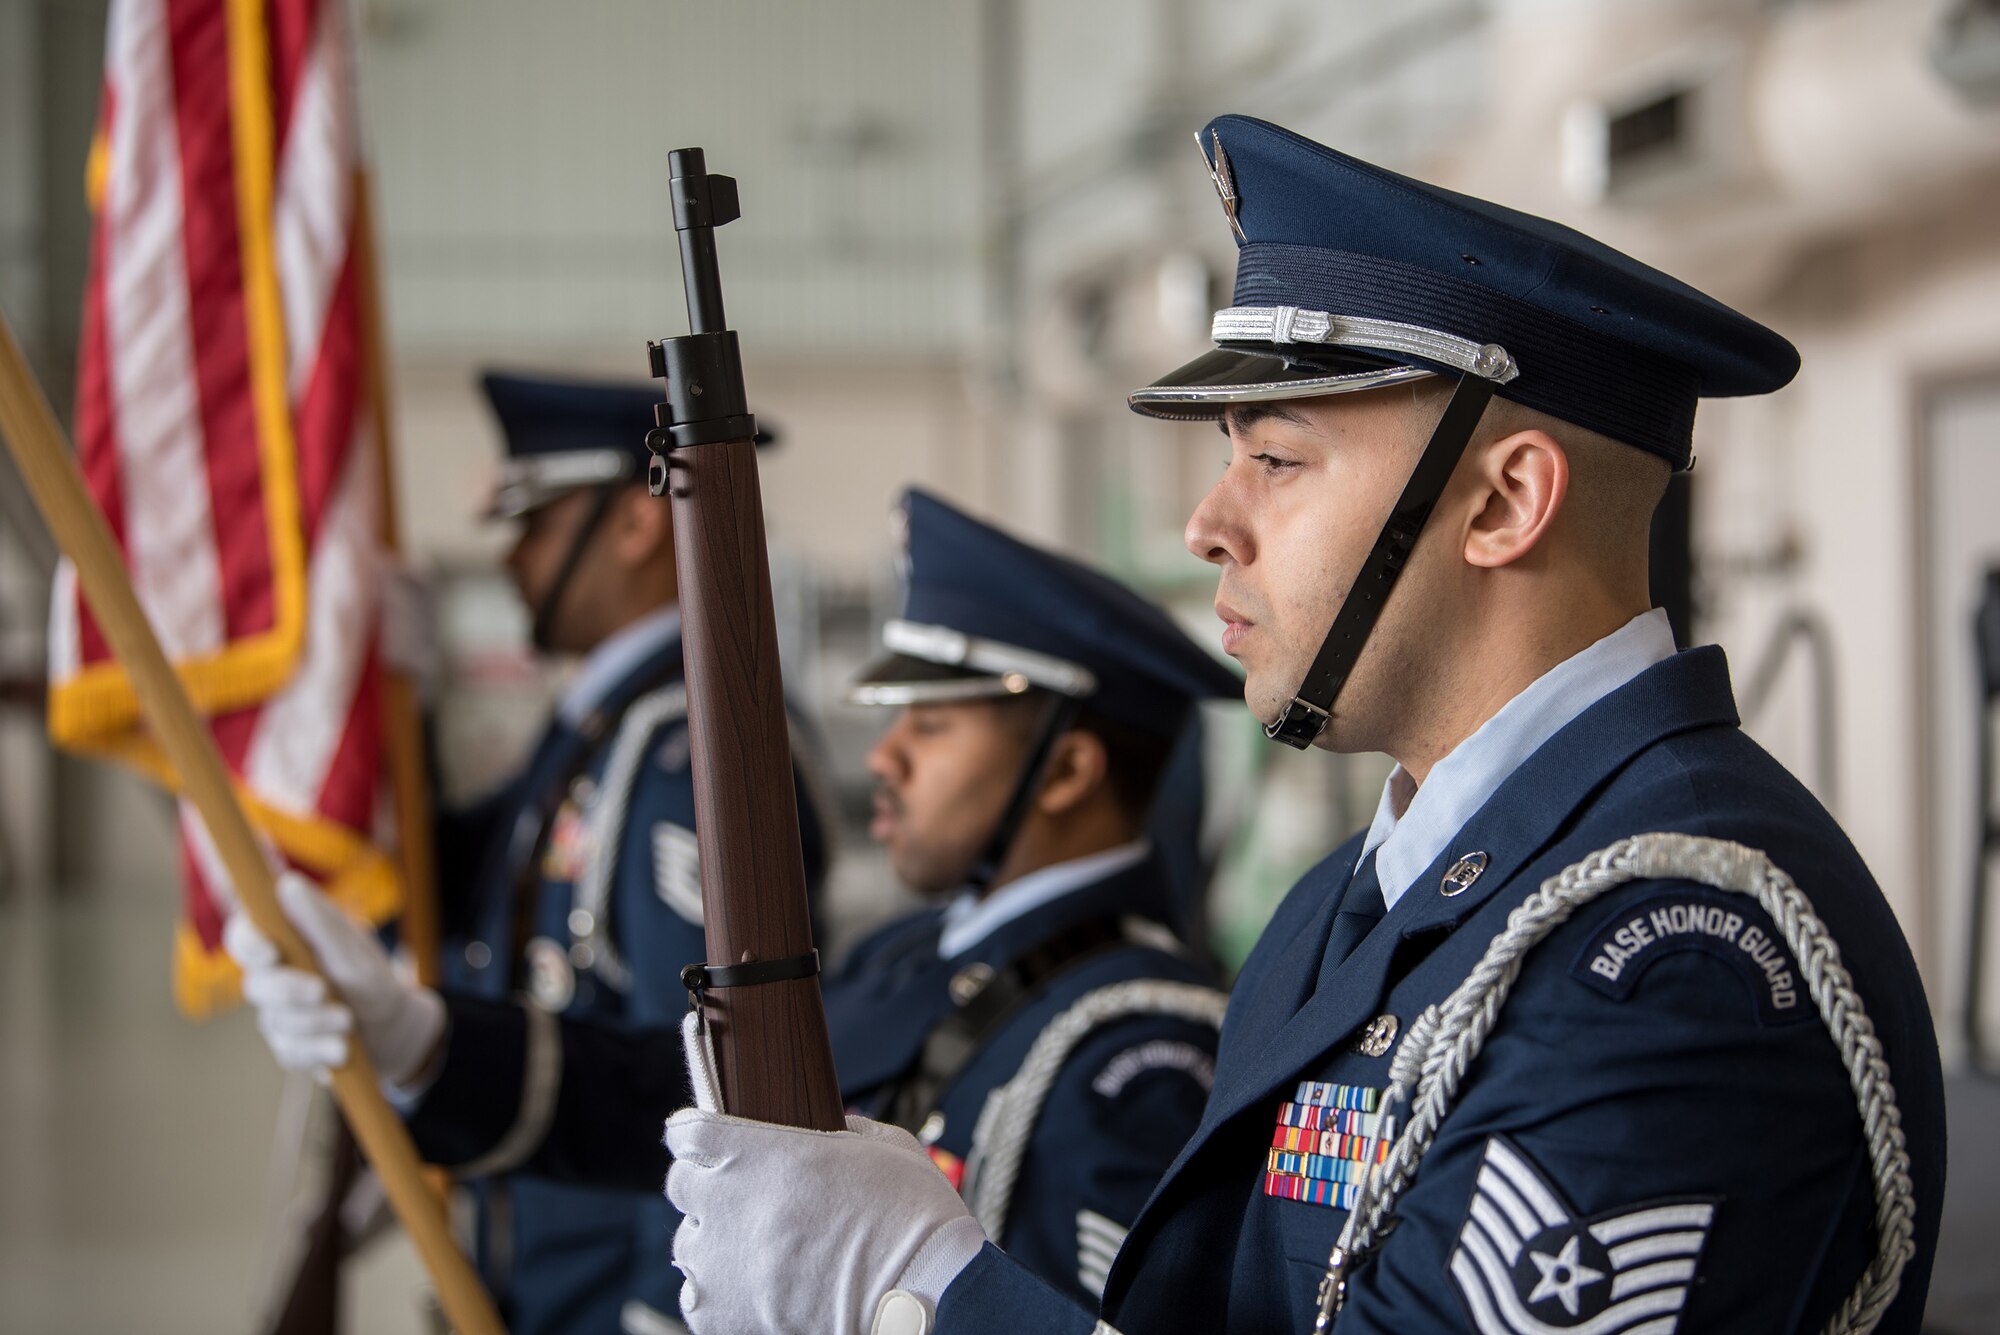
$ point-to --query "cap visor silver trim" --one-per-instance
(527, 484)
(952, 690)
(1207, 386)
(943, 645)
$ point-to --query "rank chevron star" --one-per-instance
(1525, 1264)
(1563, 1275)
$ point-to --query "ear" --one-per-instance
(1521, 480)
(641, 524)
(1077, 770)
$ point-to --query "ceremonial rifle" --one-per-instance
(758, 992)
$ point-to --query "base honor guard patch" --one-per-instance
(1704, 920)
(1526, 1265)
(1326, 1138)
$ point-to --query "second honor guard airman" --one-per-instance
(570, 894)
(1602, 1025)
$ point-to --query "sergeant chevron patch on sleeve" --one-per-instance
(1097, 1242)
(1526, 1265)
(677, 869)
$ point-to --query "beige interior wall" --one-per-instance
(1845, 196)
(1879, 319)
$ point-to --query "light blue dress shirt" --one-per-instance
(1414, 823)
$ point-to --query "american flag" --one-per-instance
(223, 426)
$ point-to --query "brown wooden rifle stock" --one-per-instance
(775, 1063)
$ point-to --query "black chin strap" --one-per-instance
(1061, 714)
(544, 628)
(1306, 717)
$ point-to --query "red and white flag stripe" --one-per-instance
(223, 427)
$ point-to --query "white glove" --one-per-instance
(853, 1232)
(306, 1025)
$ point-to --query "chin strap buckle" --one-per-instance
(1300, 725)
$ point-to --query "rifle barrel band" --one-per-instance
(698, 978)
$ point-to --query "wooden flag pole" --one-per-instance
(409, 772)
(45, 461)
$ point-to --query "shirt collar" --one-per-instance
(1413, 822)
(971, 920)
(614, 660)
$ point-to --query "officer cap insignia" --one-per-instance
(1225, 186)
(1525, 1263)
(1462, 874)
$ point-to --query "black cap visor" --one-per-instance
(1229, 373)
(897, 679)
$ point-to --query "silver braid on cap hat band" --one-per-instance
(1442, 1042)
(1289, 324)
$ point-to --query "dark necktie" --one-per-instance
(1360, 909)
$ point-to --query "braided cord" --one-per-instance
(1430, 1065)
(607, 822)
(1000, 1137)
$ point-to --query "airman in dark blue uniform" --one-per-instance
(571, 894)
(1632, 1097)
(585, 899)
(1064, 908)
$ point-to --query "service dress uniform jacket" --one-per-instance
(1124, 1101)
(585, 906)
(1658, 1133)
(1122, 1104)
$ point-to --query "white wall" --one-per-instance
(20, 170)
(521, 149)
(1879, 320)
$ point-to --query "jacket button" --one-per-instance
(477, 954)
(1378, 1037)
(1462, 874)
(970, 981)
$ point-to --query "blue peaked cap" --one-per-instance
(562, 434)
(541, 415)
(1594, 337)
(985, 614)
